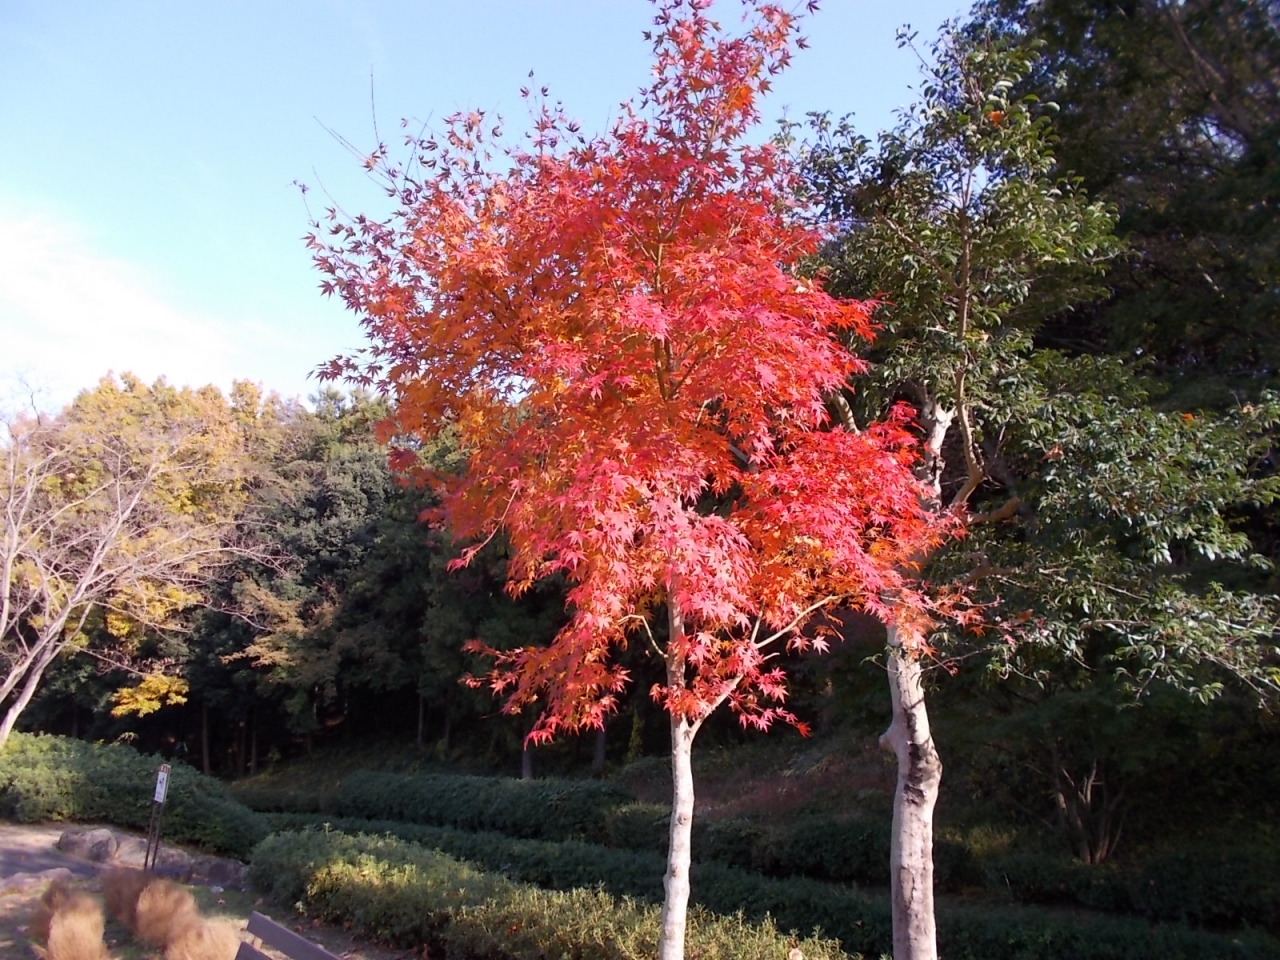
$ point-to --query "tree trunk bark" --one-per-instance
(599, 756)
(919, 775)
(253, 743)
(242, 752)
(32, 680)
(526, 758)
(204, 738)
(422, 720)
(675, 905)
(526, 762)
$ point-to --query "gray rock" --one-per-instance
(173, 863)
(131, 851)
(30, 882)
(98, 845)
(219, 872)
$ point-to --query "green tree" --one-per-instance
(329, 490)
(1100, 530)
(1171, 113)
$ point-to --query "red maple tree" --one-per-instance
(614, 332)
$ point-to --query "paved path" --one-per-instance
(27, 848)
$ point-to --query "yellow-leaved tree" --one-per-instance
(115, 514)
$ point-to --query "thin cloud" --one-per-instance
(69, 314)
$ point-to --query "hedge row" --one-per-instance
(837, 851)
(412, 897)
(1211, 886)
(559, 866)
(599, 811)
(58, 778)
(1217, 888)
(860, 921)
(529, 809)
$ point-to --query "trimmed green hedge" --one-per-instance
(58, 778)
(267, 799)
(1214, 888)
(529, 809)
(862, 922)
(404, 894)
(1211, 886)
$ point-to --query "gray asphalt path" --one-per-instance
(33, 849)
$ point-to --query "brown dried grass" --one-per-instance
(163, 908)
(75, 930)
(54, 896)
(197, 938)
(121, 887)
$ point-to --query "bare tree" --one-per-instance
(115, 514)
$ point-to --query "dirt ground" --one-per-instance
(27, 852)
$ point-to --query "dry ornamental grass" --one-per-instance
(75, 927)
(158, 912)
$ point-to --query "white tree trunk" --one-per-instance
(675, 906)
(919, 775)
(31, 680)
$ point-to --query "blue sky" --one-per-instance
(148, 218)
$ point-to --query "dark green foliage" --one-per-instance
(55, 778)
(1055, 878)
(849, 851)
(313, 865)
(1104, 533)
(813, 845)
(1216, 888)
(1021, 934)
(536, 809)
(407, 895)
(267, 799)
(1170, 112)
(1212, 886)
(641, 826)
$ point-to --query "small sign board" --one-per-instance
(162, 783)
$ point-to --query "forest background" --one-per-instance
(1142, 706)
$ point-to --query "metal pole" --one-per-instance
(157, 818)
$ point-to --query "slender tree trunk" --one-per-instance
(422, 720)
(675, 906)
(919, 775)
(253, 742)
(599, 756)
(29, 684)
(204, 738)
(526, 762)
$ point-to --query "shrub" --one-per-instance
(1032, 875)
(1211, 886)
(529, 809)
(407, 895)
(268, 799)
(639, 826)
(860, 921)
(820, 847)
(561, 865)
(57, 778)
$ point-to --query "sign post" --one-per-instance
(157, 818)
